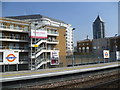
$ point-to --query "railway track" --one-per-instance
(65, 79)
(88, 81)
(110, 84)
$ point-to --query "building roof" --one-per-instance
(36, 16)
(86, 40)
(98, 19)
(11, 19)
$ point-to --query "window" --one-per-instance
(18, 27)
(0, 35)
(79, 48)
(2, 25)
(11, 46)
(17, 46)
(25, 46)
(17, 36)
(87, 48)
(49, 47)
(12, 36)
(3, 35)
(25, 28)
(94, 47)
(25, 58)
(87, 43)
(11, 26)
(53, 39)
(83, 48)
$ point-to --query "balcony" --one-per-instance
(14, 39)
(21, 49)
(53, 33)
(14, 29)
(52, 41)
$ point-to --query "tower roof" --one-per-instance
(98, 19)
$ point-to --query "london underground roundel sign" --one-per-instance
(11, 57)
(106, 54)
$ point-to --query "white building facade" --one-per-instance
(49, 43)
(14, 42)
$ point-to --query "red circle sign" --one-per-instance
(106, 54)
(11, 57)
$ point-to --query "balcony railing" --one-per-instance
(53, 32)
(23, 59)
(17, 48)
(52, 48)
(52, 40)
(15, 28)
(11, 37)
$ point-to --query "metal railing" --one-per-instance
(37, 41)
(16, 38)
(89, 59)
(8, 47)
(52, 40)
(52, 32)
(15, 28)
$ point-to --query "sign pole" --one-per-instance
(35, 49)
(4, 67)
(106, 55)
(104, 60)
(31, 53)
(8, 66)
(17, 67)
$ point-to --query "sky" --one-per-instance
(80, 15)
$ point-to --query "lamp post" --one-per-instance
(115, 45)
(35, 47)
(31, 48)
(73, 59)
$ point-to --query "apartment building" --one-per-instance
(44, 20)
(14, 43)
(50, 42)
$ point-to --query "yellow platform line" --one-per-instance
(59, 70)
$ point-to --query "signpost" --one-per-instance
(118, 55)
(55, 58)
(106, 54)
(38, 34)
(10, 57)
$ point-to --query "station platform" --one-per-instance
(21, 75)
